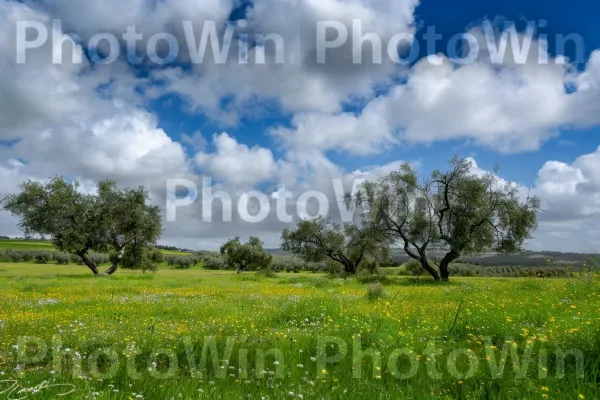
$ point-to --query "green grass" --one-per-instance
(45, 245)
(137, 315)
(25, 245)
(175, 253)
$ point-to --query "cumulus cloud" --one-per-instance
(299, 83)
(237, 163)
(508, 106)
(93, 122)
(571, 192)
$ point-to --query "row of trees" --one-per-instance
(455, 212)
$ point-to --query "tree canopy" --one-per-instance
(113, 220)
(320, 239)
(246, 256)
(458, 212)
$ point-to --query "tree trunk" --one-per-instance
(241, 268)
(445, 263)
(427, 267)
(115, 266)
(350, 268)
(112, 269)
(93, 267)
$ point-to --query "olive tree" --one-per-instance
(113, 220)
(319, 239)
(457, 212)
(246, 256)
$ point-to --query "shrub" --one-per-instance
(368, 267)
(267, 272)
(98, 258)
(13, 256)
(41, 259)
(414, 268)
(62, 258)
(181, 263)
(375, 291)
(156, 256)
(215, 263)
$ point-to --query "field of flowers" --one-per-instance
(199, 334)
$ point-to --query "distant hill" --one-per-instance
(25, 244)
(524, 259)
(37, 244)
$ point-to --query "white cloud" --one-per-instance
(510, 107)
(300, 84)
(91, 122)
(571, 192)
(364, 134)
(236, 163)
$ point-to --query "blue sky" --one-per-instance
(301, 124)
(449, 18)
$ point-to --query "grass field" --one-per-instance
(26, 245)
(123, 330)
(45, 245)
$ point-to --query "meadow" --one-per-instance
(303, 336)
(26, 245)
(12, 244)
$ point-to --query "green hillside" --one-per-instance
(46, 245)
(26, 245)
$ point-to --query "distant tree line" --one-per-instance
(173, 248)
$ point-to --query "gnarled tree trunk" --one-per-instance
(93, 267)
(350, 268)
(112, 269)
(445, 263)
(427, 267)
(422, 259)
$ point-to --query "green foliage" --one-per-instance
(511, 271)
(460, 211)
(113, 220)
(249, 256)
(414, 268)
(42, 259)
(215, 263)
(62, 258)
(295, 264)
(138, 258)
(267, 272)
(348, 245)
(156, 256)
(45, 257)
(182, 262)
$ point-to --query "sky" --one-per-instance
(159, 112)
